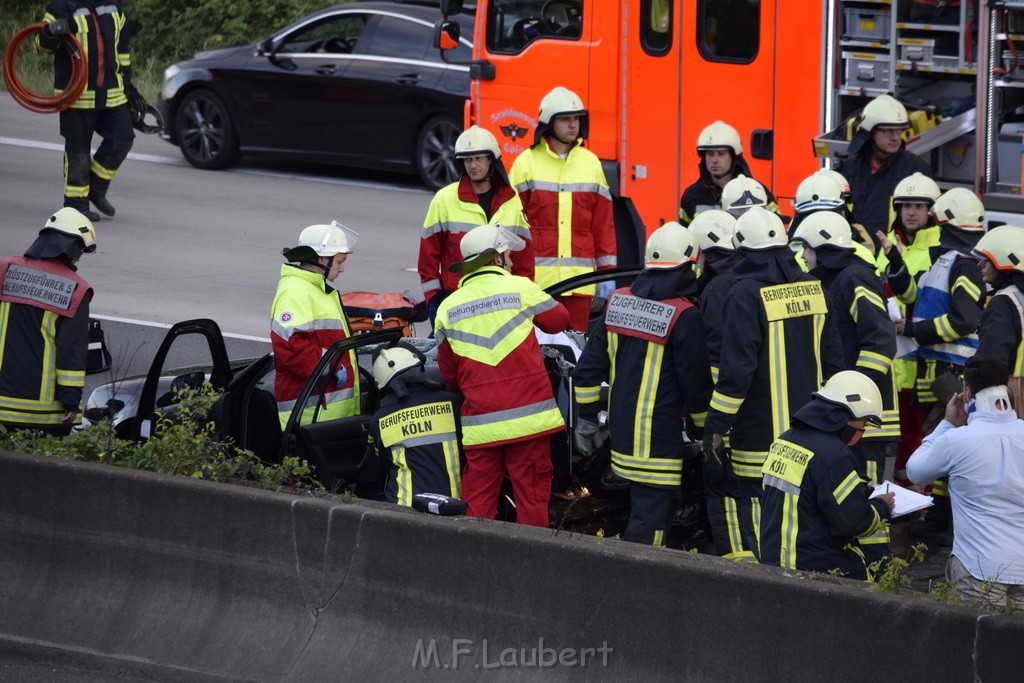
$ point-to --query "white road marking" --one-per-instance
(165, 326)
(177, 161)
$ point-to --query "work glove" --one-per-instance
(605, 289)
(59, 27)
(136, 102)
(715, 454)
(589, 436)
(342, 374)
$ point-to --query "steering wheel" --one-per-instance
(571, 8)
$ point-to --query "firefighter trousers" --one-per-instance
(650, 513)
(723, 505)
(86, 176)
(528, 465)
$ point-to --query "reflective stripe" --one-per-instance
(30, 404)
(651, 471)
(748, 464)
(755, 517)
(48, 379)
(862, 292)
(329, 398)
(874, 361)
(781, 484)
(534, 185)
(699, 418)
(564, 262)
(504, 425)
(403, 475)
(643, 419)
(659, 539)
(451, 227)
(606, 261)
(492, 342)
(509, 414)
(714, 375)
(965, 284)
(819, 330)
(845, 487)
(71, 378)
(53, 418)
(778, 379)
(310, 326)
(790, 530)
(102, 171)
(453, 466)
(431, 285)
(732, 524)
(725, 404)
(587, 394)
(1017, 299)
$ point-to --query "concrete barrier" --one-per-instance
(184, 580)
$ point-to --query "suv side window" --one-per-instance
(401, 38)
(514, 24)
(337, 34)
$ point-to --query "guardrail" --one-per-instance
(178, 579)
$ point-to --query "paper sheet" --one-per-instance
(907, 501)
(904, 345)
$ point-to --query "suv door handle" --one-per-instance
(327, 69)
(409, 79)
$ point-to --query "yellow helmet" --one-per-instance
(857, 392)
(720, 135)
(825, 229)
(392, 361)
(482, 244)
(819, 191)
(670, 246)
(759, 229)
(475, 141)
(916, 189)
(742, 193)
(714, 229)
(884, 110)
(960, 208)
(1003, 247)
(72, 222)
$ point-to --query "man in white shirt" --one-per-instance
(984, 461)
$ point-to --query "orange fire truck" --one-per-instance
(654, 73)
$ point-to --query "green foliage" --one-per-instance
(890, 575)
(944, 591)
(183, 443)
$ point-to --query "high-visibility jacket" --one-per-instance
(855, 297)
(814, 504)
(652, 354)
(454, 211)
(487, 351)
(915, 374)
(103, 32)
(416, 432)
(306, 319)
(999, 333)
(949, 301)
(781, 346)
(44, 338)
(569, 207)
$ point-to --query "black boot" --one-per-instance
(101, 203)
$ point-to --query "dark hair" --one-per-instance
(982, 372)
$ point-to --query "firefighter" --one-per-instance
(878, 161)
(488, 352)
(482, 195)
(650, 349)
(44, 327)
(721, 160)
(826, 190)
(781, 345)
(416, 431)
(1001, 251)
(815, 505)
(307, 317)
(100, 26)
(567, 202)
(909, 245)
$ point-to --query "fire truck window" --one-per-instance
(514, 24)
(728, 30)
(656, 26)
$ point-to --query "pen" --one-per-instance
(887, 488)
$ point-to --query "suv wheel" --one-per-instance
(435, 152)
(206, 134)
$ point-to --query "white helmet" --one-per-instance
(482, 244)
(819, 191)
(857, 392)
(72, 222)
(720, 135)
(560, 102)
(475, 141)
(714, 229)
(322, 240)
(1003, 247)
(916, 189)
(742, 193)
(670, 246)
(392, 361)
(960, 208)
(884, 110)
(839, 178)
(759, 229)
(825, 229)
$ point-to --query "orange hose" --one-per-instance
(45, 104)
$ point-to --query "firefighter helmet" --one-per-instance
(839, 178)
(884, 110)
(482, 244)
(560, 102)
(825, 229)
(960, 208)
(916, 189)
(819, 191)
(322, 240)
(475, 141)
(72, 222)
(714, 229)
(1003, 247)
(856, 392)
(759, 229)
(392, 361)
(742, 193)
(670, 246)
(720, 135)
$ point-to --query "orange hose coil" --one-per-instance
(45, 104)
